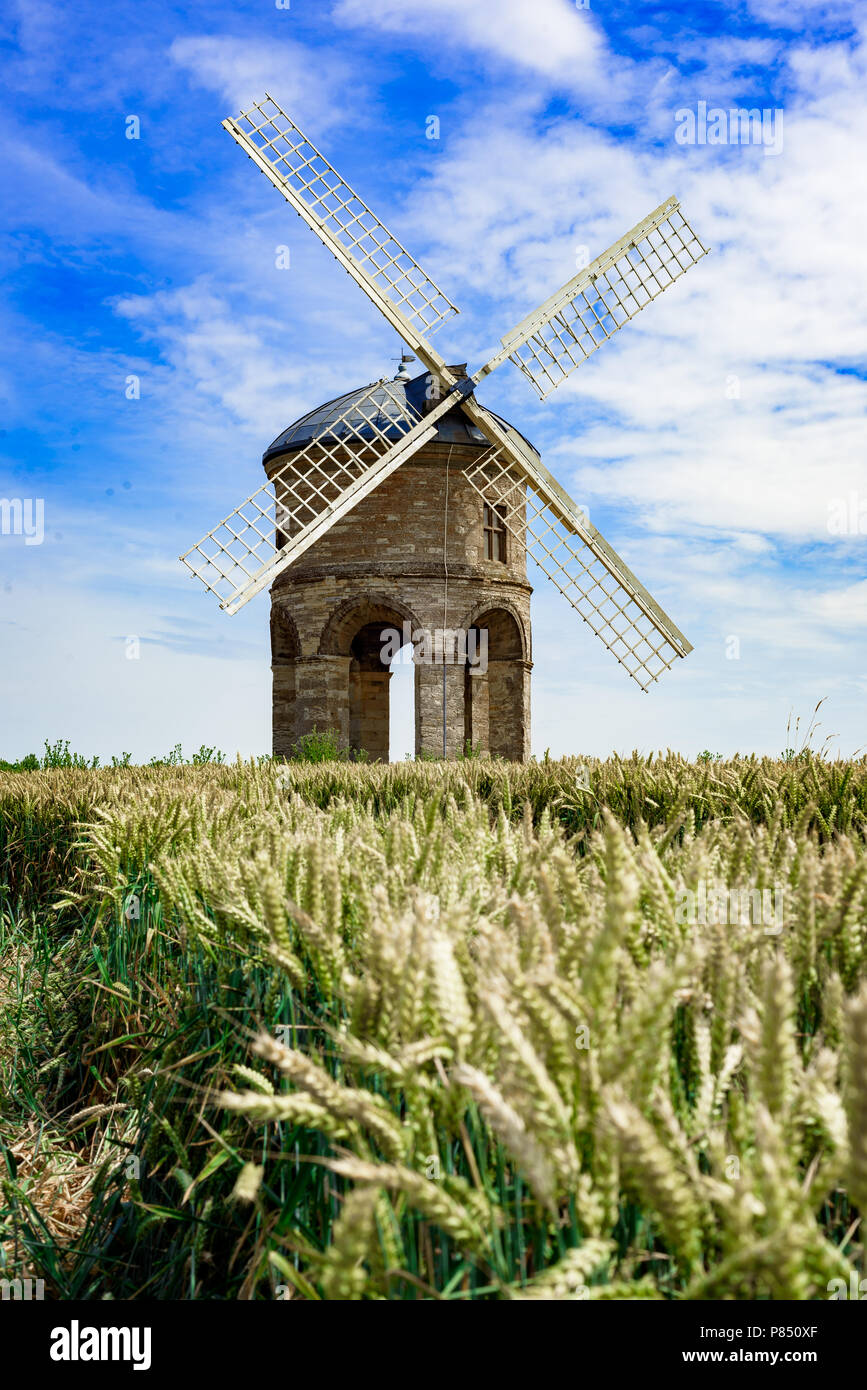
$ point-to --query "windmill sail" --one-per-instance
(575, 556)
(312, 489)
(562, 333)
(309, 491)
(411, 301)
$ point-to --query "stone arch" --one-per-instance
(496, 700)
(502, 605)
(354, 632)
(285, 642)
(357, 612)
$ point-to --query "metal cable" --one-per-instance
(445, 588)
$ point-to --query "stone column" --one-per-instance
(283, 708)
(369, 712)
(429, 708)
(477, 722)
(508, 683)
(322, 696)
(525, 669)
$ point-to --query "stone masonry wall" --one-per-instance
(384, 564)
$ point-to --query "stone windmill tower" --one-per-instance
(424, 555)
(406, 506)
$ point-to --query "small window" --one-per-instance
(495, 533)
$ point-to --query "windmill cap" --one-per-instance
(451, 428)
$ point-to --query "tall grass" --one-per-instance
(433, 1031)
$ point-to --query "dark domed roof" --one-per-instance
(452, 428)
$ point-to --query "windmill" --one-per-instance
(358, 449)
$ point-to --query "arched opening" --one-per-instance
(495, 701)
(401, 706)
(381, 693)
(371, 633)
(369, 677)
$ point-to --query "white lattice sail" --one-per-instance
(362, 243)
(344, 457)
(349, 455)
(588, 573)
(563, 332)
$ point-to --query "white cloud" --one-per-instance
(556, 40)
(805, 16)
(843, 609)
(720, 407)
(304, 81)
(704, 486)
(719, 502)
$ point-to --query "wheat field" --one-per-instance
(574, 1030)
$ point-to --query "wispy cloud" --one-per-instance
(240, 70)
(554, 38)
(709, 439)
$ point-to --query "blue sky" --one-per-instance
(716, 442)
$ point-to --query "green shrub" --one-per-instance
(319, 746)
